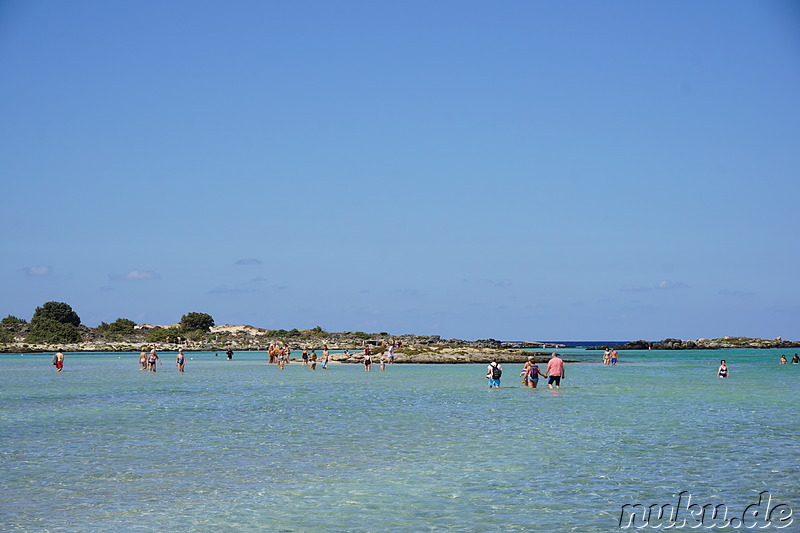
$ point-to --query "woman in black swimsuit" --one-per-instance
(151, 360)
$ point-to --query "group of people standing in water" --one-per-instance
(150, 361)
(281, 355)
(311, 360)
(278, 353)
(610, 357)
(723, 371)
(387, 354)
(530, 372)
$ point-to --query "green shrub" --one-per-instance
(192, 321)
(195, 334)
(162, 334)
(12, 321)
(58, 311)
(121, 326)
(47, 330)
(6, 336)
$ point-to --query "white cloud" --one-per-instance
(136, 275)
(37, 271)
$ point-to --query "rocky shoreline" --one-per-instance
(420, 349)
(414, 348)
(705, 344)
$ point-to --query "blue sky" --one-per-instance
(514, 170)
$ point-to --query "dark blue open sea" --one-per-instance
(243, 446)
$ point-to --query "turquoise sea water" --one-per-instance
(242, 446)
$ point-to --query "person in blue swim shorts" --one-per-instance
(493, 373)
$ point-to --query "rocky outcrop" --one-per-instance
(451, 355)
(415, 348)
(704, 344)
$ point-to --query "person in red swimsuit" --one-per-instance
(58, 360)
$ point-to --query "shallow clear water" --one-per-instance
(242, 446)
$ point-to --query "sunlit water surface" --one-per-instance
(242, 446)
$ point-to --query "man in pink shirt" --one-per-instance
(555, 371)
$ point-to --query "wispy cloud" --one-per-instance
(662, 286)
(248, 261)
(230, 290)
(669, 285)
(136, 275)
(635, 288)
(501, 283)
(39, 271)
(737, 293)
(260, 282)
(406, 292)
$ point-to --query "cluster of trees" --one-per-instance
(192, 326)
(282, 333)
(9, 326)
(121, 326)
(54, 322)
(57, 323)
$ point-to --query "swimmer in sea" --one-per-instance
(783, 359)
(58, 360)
(151, 360)
(795, 360)
(180, 360)
(367, 359)
(723, 369)
(143, 360)
(531, 373)
(283, 356)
